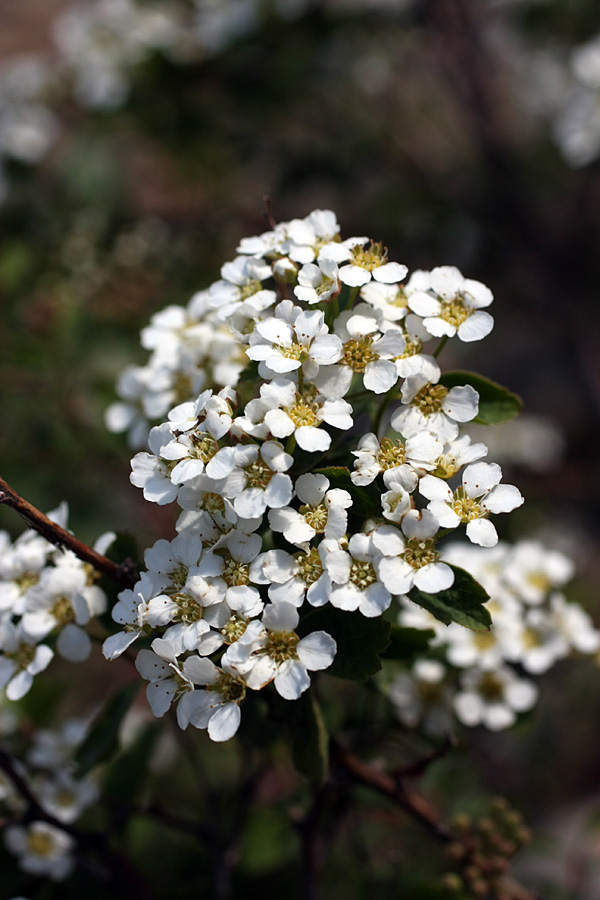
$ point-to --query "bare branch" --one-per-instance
(124, 574)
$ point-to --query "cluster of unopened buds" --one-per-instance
(322, 473)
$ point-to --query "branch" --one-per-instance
(391, 787)
(125, 574)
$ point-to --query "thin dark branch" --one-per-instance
(113, 869)
(392, 787)
(124, 574)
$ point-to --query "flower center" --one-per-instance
(294, 351)
(235, 573)
(259, 475)
(213, 503)
(430, 398)
(316, 516)
(303, 413)
(309, 565)
(178, 577)
(358, 353)
(413, 347)
(391, 454)
(23, 656)
(204, 446)
(189, 610)
(420, 553)
(249, 288)
(447, 467)
(27, 580)
(370, 257)
(532, 638)
(62, 610)
(39, 843)
(362, 574)
(466, 508)
(234, 629)
(454, 311)
(491, 688)
(281, 645)
(232, 688)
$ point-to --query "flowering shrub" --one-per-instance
(298, 417)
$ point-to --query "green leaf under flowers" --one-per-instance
(496, 403)
(103, 738)
(360, 640)
(407, 642)
(462, 603)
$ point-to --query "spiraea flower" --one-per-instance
(318, 476)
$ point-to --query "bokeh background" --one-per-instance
(135, 156)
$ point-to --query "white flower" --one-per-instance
(160, 667)
(291, 578)
(58, 602)
(575, 624)
(432, 407)
(412, 558)
(151, 472)
(481, 494)
(241, 288)
(264, 483)
(416, 454)
(318, 283)
(282, 411)
(366, 350)
(130, 611)
(285, 346)
(305, 237)
(216, 708)
(535, 570)
(272, 651)
(422, 697)
(43, 849)
(453, 305)
(65, 797)
(323, 512)
(20, 659)
(493, 698)
(355, 576)
(365, 262)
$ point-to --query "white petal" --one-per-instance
(292, 679)
(74, 644)
(477, 326)
(482, 532)
(389, 273)
(380, 376)
(462, 403)
(312, 439)
(224, 723)
(434, 577)
(503, 499)
(316, 650)
(480, 478)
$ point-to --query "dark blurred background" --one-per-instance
(436, 127)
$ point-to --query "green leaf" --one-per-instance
(496, 403)
(360, 640)
(462, 603)
(103, 738)
(310, 741)
(407, 642)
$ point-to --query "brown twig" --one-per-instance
(393, 788)
(124, 574)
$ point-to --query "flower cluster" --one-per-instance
(323, 473)
(43, 846)
(47, 598)
(475, 676)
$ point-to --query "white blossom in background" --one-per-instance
(42, 849)
(493, 697)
